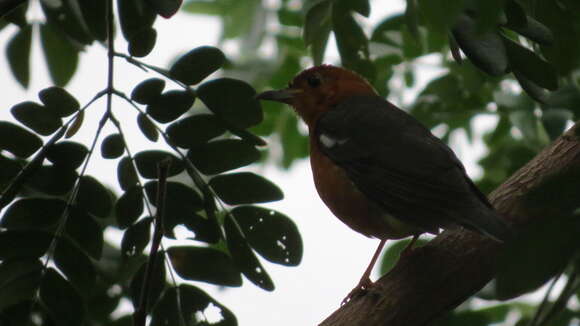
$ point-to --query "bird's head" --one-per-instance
(318, 89)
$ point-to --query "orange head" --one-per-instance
(318, 89)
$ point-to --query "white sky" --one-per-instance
(334, 256)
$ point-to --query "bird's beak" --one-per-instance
(282, 95)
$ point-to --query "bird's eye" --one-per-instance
(314, 81)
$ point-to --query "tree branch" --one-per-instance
(437, 277)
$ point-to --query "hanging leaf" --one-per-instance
(205, 229)
(61, 56)
(134, 15)
(148, 90)
(94, 14)
(58, 101)
(317, 27)
(62, 301)
(197, 64)
(223, 155)
(113, 146)
(65, 18)
(36, 117)
(19, 281)
(23, 243)
(30, 212)
(76, 125)
(245, 188)
(170, 105)
(17, 140)
(165, 8)
(52, 180)
(94, 197)
(76, 266)
(67, 154)
(85, 231)
(18, 55)
(147, 127)
(393, 252)
(142, 42)
(156, 286)
(195, 130)
(147, 162)
(239, 108)
(244, 257)
(136, 238)
(126, 174)
(272, 234)
(129, 207)
(205, 265)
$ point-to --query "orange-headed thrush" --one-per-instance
(377, 168)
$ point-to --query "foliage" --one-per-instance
(514, 60)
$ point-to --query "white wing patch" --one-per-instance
(329, 142)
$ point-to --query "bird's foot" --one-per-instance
(359, 290)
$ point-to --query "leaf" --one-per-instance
(156, 285)
(530, 65)
(486, 50)
(532, 89)
(147, 127)
(184, 304)
(245, 188)
(23, 243)
(134, 15)
(33, 212)
(441, 15)
(58, 101)
(555, 121)
(272, 234)
(65, 19)
(17, 140)
(87, 233)
(63, 303)
(18, 55)
(223, 155)
(129, 206)
(194, 66)
(170, 105)
(195, 130)
(244, 257)
(536, 255)
(535, 31)
(239, 108)
(136, 238)
(148, 90)
(126, 174)
(113, 146)
(205, 229)
(531, 128)
(317, 27)
(147, 162)
(19, 281)
(393, 252)
(94, 14)
(76, 266)
(142, 42)
(67, 154)
(61, 56)
(165, 8)
(36, 117)
(53, 180)
(94, 197)
(205, 265)
(76, 125)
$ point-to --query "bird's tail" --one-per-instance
(488, 222)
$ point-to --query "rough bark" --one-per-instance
(434, 279)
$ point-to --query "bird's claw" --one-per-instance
(359, 290)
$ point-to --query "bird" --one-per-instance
(377, 168)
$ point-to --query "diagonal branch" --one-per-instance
(437, 277)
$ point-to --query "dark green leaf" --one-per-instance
(23, 243)
(192, 302)
(113, 146)
(486, 50)
(393, 252)
(531, 88)
(58, 101)
(205, 229)
(194, 66)
(94, 197)
(76, 266)
(148, 90)
(272, 234)
(17, 140)
(555, 121)
(147, 127)
(244, 257)
(165, 8)
(33, 212)
(204, 264)
(531, 66)
(536, 255)
(136, 238)
(317, 27)
(156, 285)
(129, 207)
(126, 174)
(62, 301)
(147, 162)
(36, 117)
(76, 125)
(15, 13)
(440, 15)
(239, 108)
(9, 168)
(134, 15)
(61, 56)
(142, 42)
(223, 155)
(195, 130)
(531, 128)
(65, 19)
(53, 180)
(85, 231)
(245, 188)
(94, 14)
(515, 14)
(19, 281)
(18, 55)
(170, 105)
(67, 154)
(535, 31)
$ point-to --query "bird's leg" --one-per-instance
(365, 281)
(409, 248)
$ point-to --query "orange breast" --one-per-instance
(349, 204)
